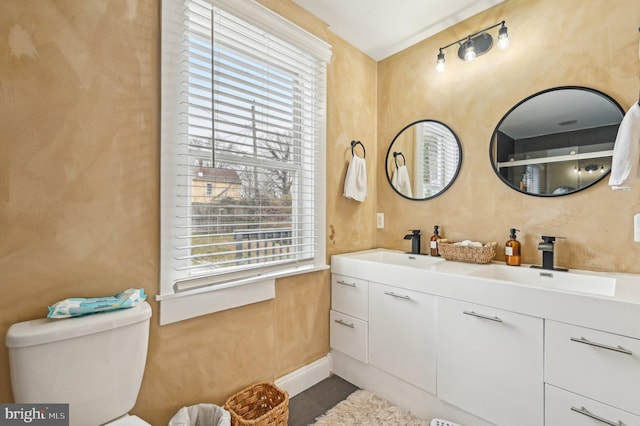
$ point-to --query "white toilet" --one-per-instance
(94, 363)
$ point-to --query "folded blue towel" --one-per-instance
(78, 306)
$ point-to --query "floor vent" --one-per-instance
(440, 422)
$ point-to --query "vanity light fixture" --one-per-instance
(475, 45)
(591, 168)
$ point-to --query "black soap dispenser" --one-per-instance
(512, 254)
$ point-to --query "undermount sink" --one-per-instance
(558, 280)
(397, 258)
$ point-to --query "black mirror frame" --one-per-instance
(493, 134)
(389, 152)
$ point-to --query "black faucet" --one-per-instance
(546, 246)
(415, 240)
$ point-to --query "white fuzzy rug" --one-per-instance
(363, 408)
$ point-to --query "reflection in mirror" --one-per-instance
(423, 160)
(556, 142)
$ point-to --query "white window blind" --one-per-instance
(439, 151)
(243, 143)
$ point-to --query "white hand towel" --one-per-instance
(400, 181)
(468, 243)
(626, 152)
(355, 183)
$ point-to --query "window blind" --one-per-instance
(247, 147)
(439, 150)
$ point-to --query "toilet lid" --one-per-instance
(128, 421)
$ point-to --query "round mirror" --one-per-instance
(423, 160)
(556, 142)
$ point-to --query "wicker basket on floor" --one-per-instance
(262, 404)
(484, 254)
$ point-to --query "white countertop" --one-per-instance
(617, 312)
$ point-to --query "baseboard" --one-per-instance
(305, 377)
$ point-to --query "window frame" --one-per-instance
(208, 295)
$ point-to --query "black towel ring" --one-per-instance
(395, 158)
(353, 145)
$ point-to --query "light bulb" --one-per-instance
(469, 50)
(440, 65)
(503, 38)
(469, 55)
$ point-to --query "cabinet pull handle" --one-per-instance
(346, 283)
(399, 296)
(344, 323)
(587, 413)
(475, 314)
(600, 345)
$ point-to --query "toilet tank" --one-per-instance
(94, 363)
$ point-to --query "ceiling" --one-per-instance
(381, 28)
(560, 111)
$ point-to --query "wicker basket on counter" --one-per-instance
(262, 404)
(468, 254)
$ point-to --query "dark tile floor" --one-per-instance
(305, 407)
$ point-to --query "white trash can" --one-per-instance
(201, 415)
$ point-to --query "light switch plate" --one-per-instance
(636, 228)
(380, 220)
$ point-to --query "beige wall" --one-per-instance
(79, 101)
(79, 195)
(572, 42)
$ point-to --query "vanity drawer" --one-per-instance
(564, 408)
(349, 335)
(350, 296)
(596, 364)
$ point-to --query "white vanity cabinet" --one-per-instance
(402, 334)
(349, 329)
(490, 362)
(601, 366)
(488, 345)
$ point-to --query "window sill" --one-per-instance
(215, 298)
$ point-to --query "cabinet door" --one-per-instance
(402, 334)
(598, 365)
(490, 363)
(564, 408)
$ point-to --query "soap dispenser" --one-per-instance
(433, 247)
(512, 249)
